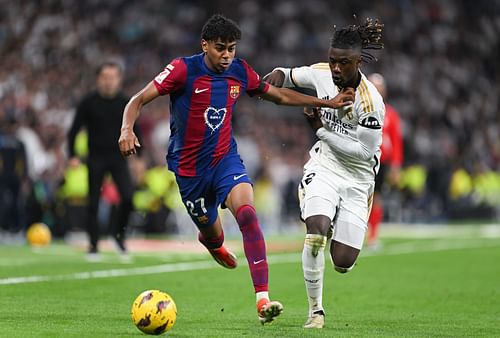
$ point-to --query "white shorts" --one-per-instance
(345, 202)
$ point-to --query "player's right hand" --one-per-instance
(128, 142)
(343, 99)
(313, 117)
(275, 78)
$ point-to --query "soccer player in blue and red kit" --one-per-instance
(202, 153)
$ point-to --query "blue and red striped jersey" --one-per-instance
(201, 107)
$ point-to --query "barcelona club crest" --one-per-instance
(234, 91)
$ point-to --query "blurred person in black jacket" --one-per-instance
(100, 112)
(13, 173)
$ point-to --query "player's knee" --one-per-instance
(343, 264)
(343, 256)
(246, 216)
(342, 269)
(318, 225)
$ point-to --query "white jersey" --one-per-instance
(351, 136)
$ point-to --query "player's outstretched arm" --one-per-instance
(128, 141)
(288, 97)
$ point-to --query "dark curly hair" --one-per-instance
(365, 36)
(218, 26)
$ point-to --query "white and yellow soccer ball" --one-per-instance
(154, 312)
(38, 234)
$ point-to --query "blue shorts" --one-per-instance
(203, 195)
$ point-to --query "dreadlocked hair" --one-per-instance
(365, 36)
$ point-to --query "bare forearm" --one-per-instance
(288, 97)
(131, 112)
(133, 107)
(293, 98)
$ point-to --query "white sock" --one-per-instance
(313, 265)
(262, 294)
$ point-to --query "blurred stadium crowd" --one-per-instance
(441, 63)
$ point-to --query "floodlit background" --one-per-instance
(441, 62)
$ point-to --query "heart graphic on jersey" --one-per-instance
(214, 117)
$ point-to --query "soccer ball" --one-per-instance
(154, 312)
(38, 234)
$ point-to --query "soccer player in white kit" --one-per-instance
(336, 190)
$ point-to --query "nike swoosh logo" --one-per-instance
(197, 91)
(238, 177)
(257, 262)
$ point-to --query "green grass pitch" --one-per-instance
(442, 286)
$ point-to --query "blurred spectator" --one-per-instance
(12, 176)
(100, 112)
(434, 51)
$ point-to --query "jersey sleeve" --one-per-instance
(255, 85)
(369, 137)
(172, 78)
(364, 149)
(301, 77)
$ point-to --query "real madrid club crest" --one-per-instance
(345, 112)
(234, 91)
(348, 112)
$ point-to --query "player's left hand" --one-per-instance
(343, 99)
(128, 142)
(313, 117)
